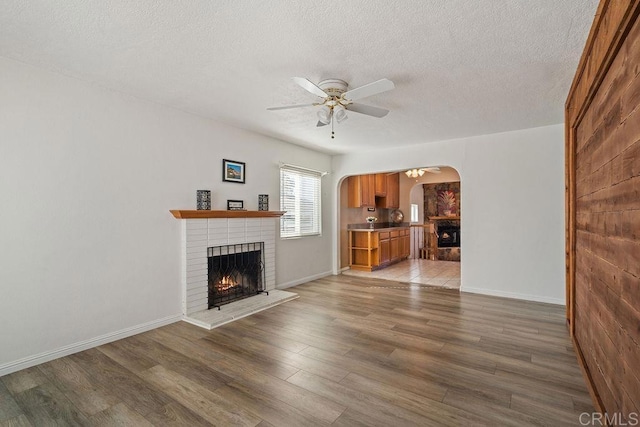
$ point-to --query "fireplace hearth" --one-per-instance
(235, 272)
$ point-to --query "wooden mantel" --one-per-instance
(193, 214)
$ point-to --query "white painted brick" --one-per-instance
(200, 250)
(193, 224)
(237, 223)
(197, 265)
(235, 239)
(217, 237)
(219, 241)
(197, 284)
(193, 234)
(197, 294)
(218, 231)
(200, 243)
(196, 306)
(199, 234)
(197, 256)
(199, 276)
(218, 223)
(196, 297)
(254, 223)
(253, 237)
(268, 234)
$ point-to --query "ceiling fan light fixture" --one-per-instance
(414, 173)
(340, 113)
(324, 115)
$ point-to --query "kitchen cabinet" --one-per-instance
(363, 249)
(381, 185)
(361, 191)
(375, 249)
(385, 251)
(394, 248)
(405, 244)
(381, 190)
(392, 198)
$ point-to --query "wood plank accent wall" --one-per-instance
(603, 208)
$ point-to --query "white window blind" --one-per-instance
(414, 212)
(300, 198)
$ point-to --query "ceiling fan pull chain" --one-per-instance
(332, 132)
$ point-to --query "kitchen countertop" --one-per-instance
(385, 226)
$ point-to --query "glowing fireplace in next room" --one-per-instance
(235, 272)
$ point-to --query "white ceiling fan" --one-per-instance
(336, 100)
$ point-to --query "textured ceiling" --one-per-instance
(460, 67)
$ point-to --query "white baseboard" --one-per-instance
(30, 361)
(514, 295)
(304, 280)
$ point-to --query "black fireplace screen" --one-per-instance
(235, 272)
(449, 236)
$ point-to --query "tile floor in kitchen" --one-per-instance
(418, 271)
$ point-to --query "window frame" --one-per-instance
(300, 173)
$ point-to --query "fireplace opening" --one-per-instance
(235, 272)
(448, 236)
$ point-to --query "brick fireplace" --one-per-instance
(202, 230)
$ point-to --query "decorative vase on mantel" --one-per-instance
(203, 200)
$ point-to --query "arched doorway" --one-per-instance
(438, 267)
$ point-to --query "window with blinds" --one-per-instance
(300, 198)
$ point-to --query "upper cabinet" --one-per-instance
(381, 190)
(361, 191)
(381, 185)
(392, 198)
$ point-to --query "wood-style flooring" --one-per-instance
(349, 352)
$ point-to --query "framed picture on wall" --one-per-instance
(235, 205)
(233, 171)
(446, 203)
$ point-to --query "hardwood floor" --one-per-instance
(350, 351)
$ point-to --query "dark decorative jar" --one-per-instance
(204, 200)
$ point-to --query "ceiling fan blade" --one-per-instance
(286, 107)
(306, 84)
(320, 124)
(367, 109)
(370, 89)
(433, 170)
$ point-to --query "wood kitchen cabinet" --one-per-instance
(385, 251)
(374, 249)
(392, 198)
(363, 249)
(381, 190)
(394, 247)
(381, 185)
(361, 191)
(405, 244)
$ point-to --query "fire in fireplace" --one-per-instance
(235, 272)
(448, 236)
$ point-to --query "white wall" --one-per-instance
(512, 191)
(88, 248)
